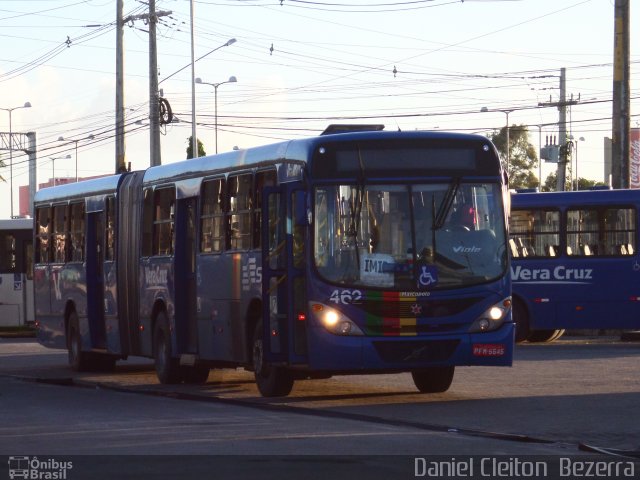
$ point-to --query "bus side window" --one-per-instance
(77, 232)
(212, 234)
(60, 233)
(43, 233)
(239, 218)
(619, 225)
(147, 223)
(514, 248)
(163, 218)
(110, 251)
(263, 179)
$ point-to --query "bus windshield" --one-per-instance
(403, 237)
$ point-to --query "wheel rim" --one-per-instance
(74, 350)
(162, 353)
(258, 365)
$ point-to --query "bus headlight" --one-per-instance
(334, 321)
(492, 318)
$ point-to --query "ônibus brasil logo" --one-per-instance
(36, 469)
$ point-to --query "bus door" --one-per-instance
(95, 278)
(185, 276)
(283, 274)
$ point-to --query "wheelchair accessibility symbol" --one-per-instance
(428, 276)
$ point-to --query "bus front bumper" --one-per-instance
(329, 352)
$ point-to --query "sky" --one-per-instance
(301, 65)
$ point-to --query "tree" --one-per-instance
(523, 158)
(201, 152)
(550, 184)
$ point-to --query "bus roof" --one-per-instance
(300, 150)
(575, 198)
(16, 224)
(85, 188)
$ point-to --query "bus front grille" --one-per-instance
(416, 351)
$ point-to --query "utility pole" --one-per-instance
(565, 149)
(561, 174)
(621, 97)
(154, 107)
(120, 148)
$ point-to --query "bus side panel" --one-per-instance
(70, 293)
(214, 315)
(51, 328)
(603, 296)
(157, 290)
(113, 339)
(223, 326)
(579, 293)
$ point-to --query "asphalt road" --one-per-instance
(556, 399)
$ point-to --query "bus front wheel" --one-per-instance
(167, 367)
(545, 336)
(271, 381)
(433, 379)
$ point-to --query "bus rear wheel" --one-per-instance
(167, 368)
(271, 381)
(521, 320)
(78, 360)
(433, 379)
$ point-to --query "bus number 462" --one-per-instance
(346, 297)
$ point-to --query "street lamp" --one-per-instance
(62, 139)
(53, 166)
(26, 105)
(215, 86)
(506, 112)
(575, 142)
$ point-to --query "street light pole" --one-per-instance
(576, 141)
(62, 139)
(231, 41)
(539, 157)
(26, 105)
(506, 112)
(232, 79)
(53, 166)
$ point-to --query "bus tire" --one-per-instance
(521, 321)
(544, 336)
(195, 375)
(167, 368)
(433, 379)
(78, 360)
(271, 381)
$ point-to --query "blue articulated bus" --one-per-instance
(574, 262)
(358, 252)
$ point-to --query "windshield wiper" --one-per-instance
(447, 203)
(355, 207)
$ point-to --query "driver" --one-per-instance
(464, 216)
